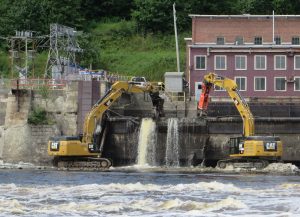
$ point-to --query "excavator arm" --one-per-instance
(84, 151)
(231, 87)
(111, 96)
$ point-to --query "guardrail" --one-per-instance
(176, 96)
(35, 84)
(173, 96)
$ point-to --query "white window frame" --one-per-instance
(275, 85)
(235, 78)
(220, 90)
(295, 83)
(245, 62)
(295, 62)
(265, 62)
(275, 62)
(265, 83)
(215, 61)
(195, 62)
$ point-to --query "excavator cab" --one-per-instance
(85, 151)
(249, 150)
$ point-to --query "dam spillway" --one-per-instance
(147, 142)
(203, 138)
(194, 135)
(172, 143)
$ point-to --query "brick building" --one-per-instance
(261, 52)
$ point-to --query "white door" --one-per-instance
(198, 90)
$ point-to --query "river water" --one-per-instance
(149, 192)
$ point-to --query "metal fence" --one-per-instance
(35, 84)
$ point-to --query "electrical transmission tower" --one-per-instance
(22, 48)
(63, 48)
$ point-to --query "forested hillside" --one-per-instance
(123, 36)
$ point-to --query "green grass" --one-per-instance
(38, 70)
(135, 54)
(119, 48)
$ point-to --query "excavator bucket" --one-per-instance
(158, 103)
(203, 101)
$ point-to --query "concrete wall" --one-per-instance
(206, 139)
(122, 143)
(27, 143)
(20, 141)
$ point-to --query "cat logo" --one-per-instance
(54, 146)
(270, 146)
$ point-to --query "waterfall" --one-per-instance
(172, 146)
(147, 142)
(203, 155)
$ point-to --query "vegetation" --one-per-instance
(134, 37)
(44, 91)
(38, 116)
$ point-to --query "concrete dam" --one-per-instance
(178, 139)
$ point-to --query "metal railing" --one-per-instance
(172, 95)
(35, 84)
(175, 96)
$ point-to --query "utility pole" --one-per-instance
(176, 39)
(273, 28)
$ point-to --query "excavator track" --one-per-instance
(84, 163)
(246, 163)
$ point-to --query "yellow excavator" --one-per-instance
(84, 151)
(249, 150)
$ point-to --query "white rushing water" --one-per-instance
(56, 193)
(147, 141)
(172, 143)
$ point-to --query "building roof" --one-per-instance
(243, 16)
(174, 74)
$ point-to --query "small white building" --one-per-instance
(174, 81)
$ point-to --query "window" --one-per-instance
(260, 62)
(217, 88)
(296, 62)
(260, 83)
(280, 84)
(200, 62)
(220, 40)
(277, 40)
(257, 40)
(297, 84)
(239, 40)
(220, 62)
(295, 40)
(279, 62)
(241, 83)
(240, 62)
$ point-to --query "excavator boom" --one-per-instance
(85, 150)
(248, 151)
(231, 87)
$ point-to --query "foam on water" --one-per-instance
(202, 198)
(208, 206)
(281, 168)
(11, 206)
(20, 165)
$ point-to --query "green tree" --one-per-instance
(97, 10)
(157, 15)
